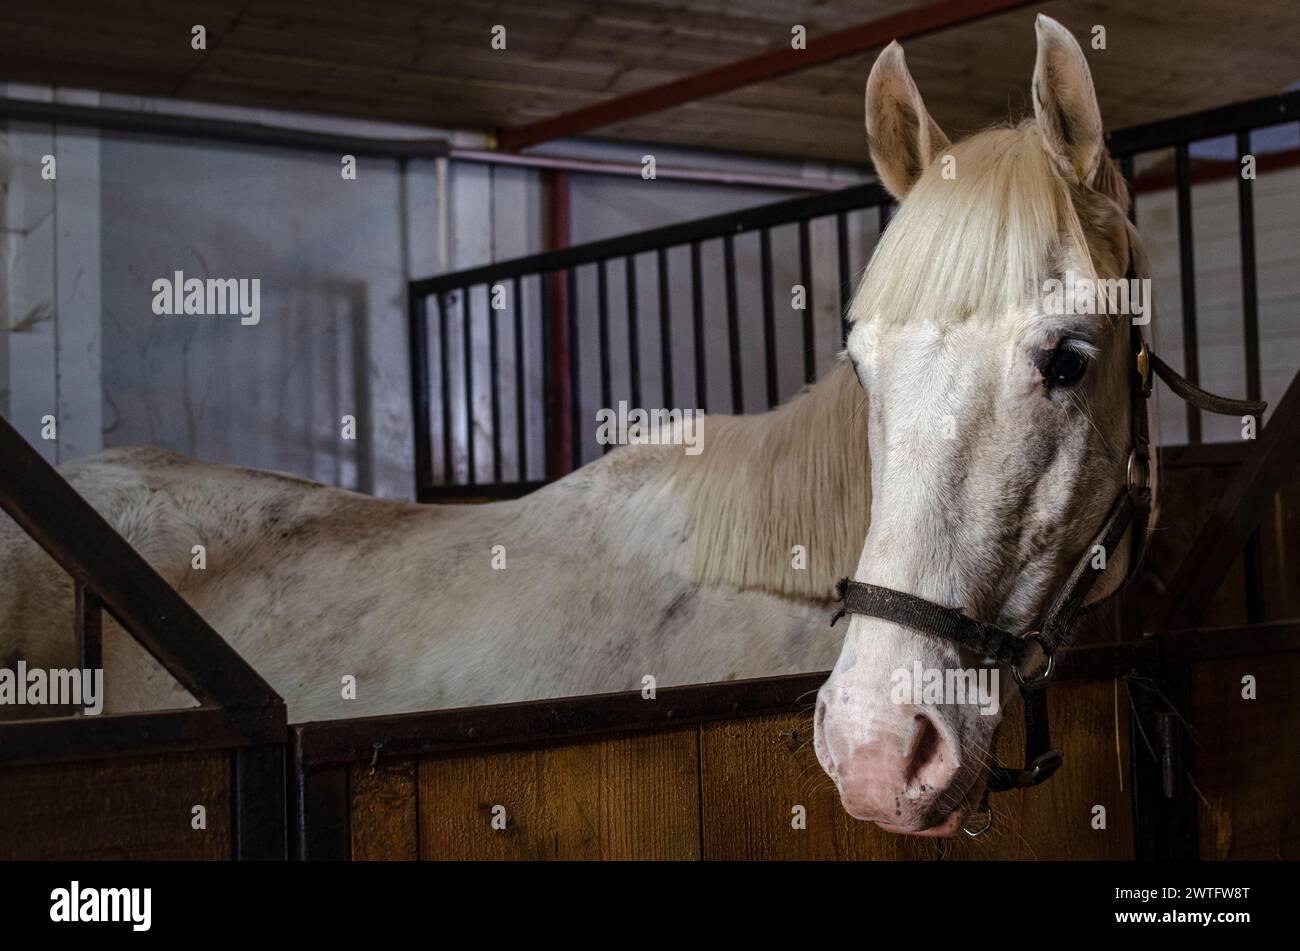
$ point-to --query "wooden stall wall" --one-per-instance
(729, 790)
(133, 808)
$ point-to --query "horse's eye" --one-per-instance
(1065, 366)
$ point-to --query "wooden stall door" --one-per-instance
(131, 808)
(757, 774)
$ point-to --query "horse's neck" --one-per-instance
(781, 501)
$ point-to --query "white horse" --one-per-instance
(999, 432)
(981, 486)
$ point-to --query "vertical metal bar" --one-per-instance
(733, 324)
(805, 278)
(697, 319)
(575, 405)
(322, 820)
(1256, 607)
(89, 619)
(258, 826)
(444, 370)
(846, 278)
(769, 317)
(467, 333)
(418, 344)
(549, 470)
(665, 328)
(633, 334)
(521, 382)
(1187, 273)
(602, 323)
(1126, 167)
(494, 368)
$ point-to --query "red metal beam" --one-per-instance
(559, 401)
(857, 39)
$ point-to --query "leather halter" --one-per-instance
(1053, 629)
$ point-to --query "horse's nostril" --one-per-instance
(821, 713)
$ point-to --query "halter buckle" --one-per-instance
(1045, 674)
(1142, 358)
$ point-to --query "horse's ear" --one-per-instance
(902, 137)
(1065, 103)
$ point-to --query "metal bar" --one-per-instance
(538, 722)
(494, 386)
(1150, 807)
(521, 383)
(769, 316)
(806, 278)
(1209, 124)
(322, 812)
(48, 509)
(846, 277)
(575, 379)
(224, 130)
(549, 384)
(1256, 608)
(1192, 645)
(1235, 516)
(444, 385)
(88, 611)
(633, 334)
(258, 825)
(733, 325)
(585, 166)
(556, 320)
(602, 331)
(467, 354)
(908, 24)
(665, 328)
(1187, 276)
(422, 420)
(702, 229)
(1249, 272)
(697, 324)
(111, 735)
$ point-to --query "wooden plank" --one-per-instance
(1247, 760)
(138, 808)
(621, 798)
(754, 773)
(385, 811)
(1054, 821)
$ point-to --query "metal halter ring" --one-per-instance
(1137, 474)
(1046, 674)
(986, 814)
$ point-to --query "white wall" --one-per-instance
(79, 340)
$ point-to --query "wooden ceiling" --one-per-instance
(430, 62)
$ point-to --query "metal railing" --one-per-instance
(239, 710)
(551, 279)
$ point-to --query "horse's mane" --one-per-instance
(980, 242)
(798, 475)
(975, 243)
